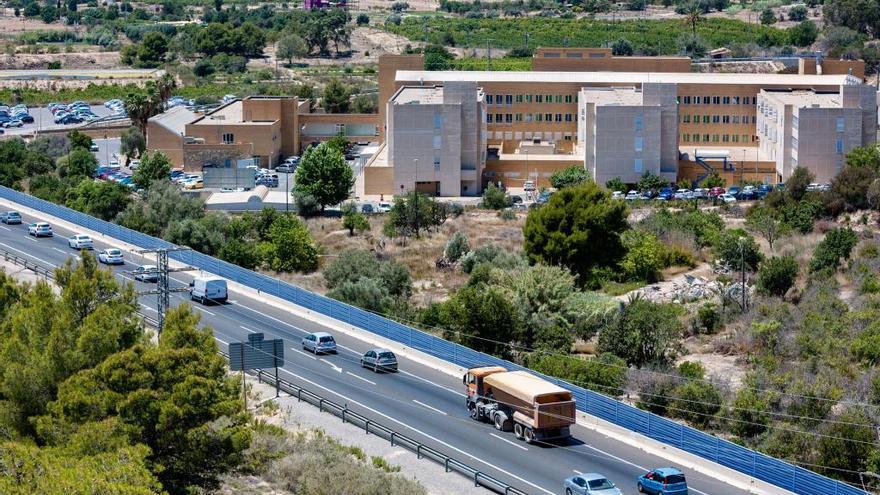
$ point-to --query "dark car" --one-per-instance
(367, 208)
(379, 360)
(666, 193)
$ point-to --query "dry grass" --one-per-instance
(419, 255)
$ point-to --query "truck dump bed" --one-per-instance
(545, 404)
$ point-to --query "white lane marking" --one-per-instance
(147, 307)
(60, 251)
(619, 459)
(456, 392)
(5, 228)
(349, 349)
(431, 408)
(28, 255)
(218, 340)
(246, 328)
(335, 368)
(508, 441)
(31, 239)
(360, 378)
(435, 439)
(304, 354)
(270, 317)
(205, 310)
(576, 471)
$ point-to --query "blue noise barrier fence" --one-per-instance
(774, 471)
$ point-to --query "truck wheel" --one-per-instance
(529, 435)
(473, 411)
(499, 421)
(518, 431)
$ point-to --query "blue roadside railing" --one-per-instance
(749, 462)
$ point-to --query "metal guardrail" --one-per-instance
(450, 464)
(421, 450)
(749, 462)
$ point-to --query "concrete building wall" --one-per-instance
(388, 85)
(815, 141)
(512, 173)
(665, 96)
(160, 138)
(601, 59)
(623, 148)
(262, 140)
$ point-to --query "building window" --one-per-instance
(548, 99)
(508, 99)
(794, 142)
(499, 118)
(746, 100)
(705, 138)
(488, 118)
(228, 138)
(638, 142)
(528, 117)
(714, 138)
(438, 120)
(838, 164)
(637, 165)
(436, 142)
(839, 146)
(519, 98)
(569, 117)
(795, 121)
(706, 119)
(518, 117)
(686, 119)
(508, 118)
(696, 100)
(539, 98)
(687, 100)
(716, 119)
(706, 100)
(725, 138)
(725, 119)
(548, 117)
(745, 138)
(558, 117)
(558, 98)
(735, 138)
(539, 117)
(488, 99)
(638, 122)
(528, 98)
(736, 100)
(726, 100)
(736, 119)
(568, 98)
(685, 137)
(499, 99)
(839, 124)
(716, 100)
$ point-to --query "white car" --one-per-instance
(683, 194)
(147, 273)
(40, 229)
(727, 198)
(529, 185)
(111, 256)
(617, 195)
(80, 241)
(633, 195)
(134, 164)
(384, 207)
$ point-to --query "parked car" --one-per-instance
(700, 193)
(529, 185)
(632, 196)
(683, 194)
(285, 168)
(147, 273)
(367, 208)
(13, 123)
(384, 207)
(716, 191)
(379, 360)
(319, 342)
(663, 481)
(194, 184)
(208, 290)
(590, 484)
(134, 164)
(40, 229)
(10, 217)
(666, 193)
(727, 198)
(111, 256)
(26, 118)
(93, 147)
(764, 189)
(267, 180)
(80, 241)
(617, 195)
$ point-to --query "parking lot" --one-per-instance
(43, 120)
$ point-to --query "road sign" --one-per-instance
(256, 353)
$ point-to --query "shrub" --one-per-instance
(838, 243)
(615, 184)
(643, 333)
(735, 248)
(696, 402)
(568, 177)
(644, 256)
(776, 275)
(456, 247)
(605, 373)
(495, 198)
(363, 19)
(797, 13)
(491, 254)
(708, 318)
(749, 413)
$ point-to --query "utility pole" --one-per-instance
(163, 290)
(742, 271)
(416, 195)
(488, 54)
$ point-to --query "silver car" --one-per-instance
(379, 360)
(319, 342)
(590, 484)
(147, 273)
(111, 256)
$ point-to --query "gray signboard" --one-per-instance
(229, 177)
(256, 353)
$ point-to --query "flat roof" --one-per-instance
(802, 99)
(416, 76)
(419, 95)
(175, 119)
(612, 96)
(230, 114)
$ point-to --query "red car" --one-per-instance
(716, 191)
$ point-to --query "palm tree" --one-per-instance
(141, 106)
(693, 16)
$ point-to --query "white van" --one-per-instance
(208, 290)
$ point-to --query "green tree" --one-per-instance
(363, 19)
(154, 166)
(804, 34)
(290, 246)
(837, 244)
(152, 49)
(643, 333)
(103, 199)
(651, 181)
(456, 247)
(205, 235)
(336, 97)
(768, 17)
(324, 175)
(291, 46)
(606, 373)
(482, 319)
(696, 401)
(796, 186)
(412, 213)
(79, 140)
(622, 48)
(750, 412)
(495, 198)
(80, 162)
(568, 177)
(615, 184)
(797, 13)
(714, 180)
(364, 103)
(132, 143)
(366, 293)
(737, 248)
(847, 444)
(161, 206)
(579, 228)
(864, 156)
(354, 220)
(764, 221)
(644, 256)
(776, 275)
(849, 189)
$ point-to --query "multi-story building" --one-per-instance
(436, 138)
(815, 129)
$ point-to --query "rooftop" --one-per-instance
(802, 99)
(783, 80)
(612, 96)
(230, 114)
(175, 119)
(422, 95)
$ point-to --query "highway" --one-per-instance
(420, 402)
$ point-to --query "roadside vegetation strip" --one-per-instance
(659, 37)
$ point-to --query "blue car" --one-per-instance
(666, 193)
(663, 481)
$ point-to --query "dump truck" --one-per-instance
(533, 408)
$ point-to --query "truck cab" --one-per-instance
(473, 380)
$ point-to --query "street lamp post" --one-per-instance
(416, 195)
(287, 192)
